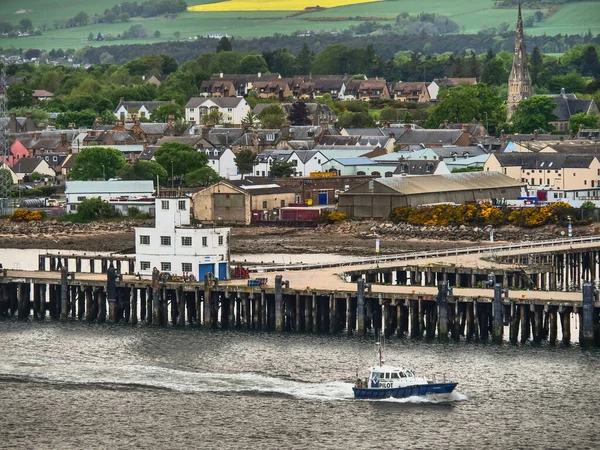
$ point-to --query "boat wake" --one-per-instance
(452, 397)
(135, 377)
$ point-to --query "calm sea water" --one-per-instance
(75, 386)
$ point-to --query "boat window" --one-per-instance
(402, 375)
(409, 373)
(386, 375)
(395, 375)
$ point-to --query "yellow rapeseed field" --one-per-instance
(273, 5)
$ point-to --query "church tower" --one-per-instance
(519, 81)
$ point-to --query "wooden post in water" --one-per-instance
(298, 314)
(538, 314)
(514, 323)
(81, 307)
(525, 323)
(155, 297)
(587, 324)
(180, 298)
(36, 302)
(111, 291)
(307, 314)
(247, 312)
(88, 304)
(133, 303)
(498, 327)
(23, 302)
(442, 306)
(313, 312)
(553, 324)
(278, 303)
(360, 307)
(332, 308)
(63, 293)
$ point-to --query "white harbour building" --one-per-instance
(175, 246)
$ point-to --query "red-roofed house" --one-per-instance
(41, 94)
(17, 151)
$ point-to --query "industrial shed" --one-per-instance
(377, 198)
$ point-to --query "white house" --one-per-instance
(222, 161)
(304, 161)
(26, 166)
(176, 247)
(77, 191)
(232, 109)
(141, 109)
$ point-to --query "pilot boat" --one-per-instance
(398, 382)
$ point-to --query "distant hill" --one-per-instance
(70, 24)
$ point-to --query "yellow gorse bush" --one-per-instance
(25, 215)
(485, 214)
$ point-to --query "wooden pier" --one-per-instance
(435, 310)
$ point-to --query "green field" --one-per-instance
(472, 16)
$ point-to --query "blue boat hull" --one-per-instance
(404, 392)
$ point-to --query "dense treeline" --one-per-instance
(80, 95)
(385, 45)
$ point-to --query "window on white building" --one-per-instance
(186, 267)
(144, 265)
(181, 205)
(186, 241)
(220, 240)
(204, 241)
(144, 240)
(164, 204)
(165, 266)
(80, 199)
(165, 240)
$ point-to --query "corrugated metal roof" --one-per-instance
(112, 187)
(452, 182)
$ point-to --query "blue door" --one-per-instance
(203, 269)
(323, 198)
(223, 271)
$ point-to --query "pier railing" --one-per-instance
(552, 243)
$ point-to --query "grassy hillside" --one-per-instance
(472, 16)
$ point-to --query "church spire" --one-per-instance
(519, 81)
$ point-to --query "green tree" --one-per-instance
(83, 118)
(272, 117)
(35, 176)
(252, 99)
(96, 163)
(204, 176)
(144, 170)
(19, 95)
(95, 208)
(408, 118)
(162, 113)
(25, 25)
(245, 161)
(177, 35)
(107, 117)
(532, 114)
(587, 121)
(179, 159)
(571, 82)
(215, 117)
(536, 64)
(304, 60)
(281, 170)
(250, 118)
(299, 114)
(6, 181)
(462, 104)
(494, 72)
(224, 45)
(253, 63)
(81, 18)
(157, 34)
